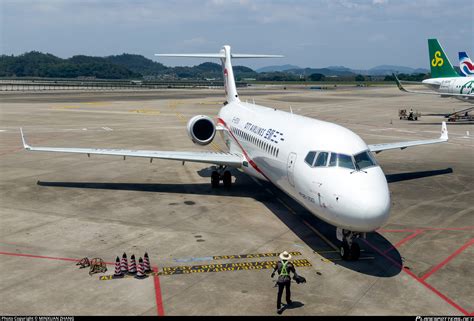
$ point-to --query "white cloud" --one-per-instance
(309, 32)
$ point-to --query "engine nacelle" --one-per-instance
(201, 129)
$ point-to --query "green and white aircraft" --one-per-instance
(444, 81)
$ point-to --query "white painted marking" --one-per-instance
(406, 131)
(107, 128)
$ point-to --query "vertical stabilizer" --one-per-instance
(439, 63)
(229, 79)
(465, 65)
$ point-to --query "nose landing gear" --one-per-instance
(350, 249)
(221, 174)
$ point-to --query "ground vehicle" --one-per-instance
(411, 115)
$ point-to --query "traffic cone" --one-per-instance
(146, 263)
(124, 264)
(132, 268)
(118, 272)
(141, 270)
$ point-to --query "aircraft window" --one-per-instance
(322, 159)
(333, 160)
(310, 158)
(345, 161)
(364, 160)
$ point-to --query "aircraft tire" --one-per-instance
(344, 251)
(215, 179)
(227, 179)
(355, 251)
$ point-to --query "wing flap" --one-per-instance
(227, 159)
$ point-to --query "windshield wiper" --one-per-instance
(358, 169)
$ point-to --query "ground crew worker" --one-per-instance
(284, 267)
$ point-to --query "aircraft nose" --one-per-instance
(373, 199)
(377, 210)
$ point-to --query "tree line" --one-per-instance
(131, 66)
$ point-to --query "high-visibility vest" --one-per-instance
(284, 271)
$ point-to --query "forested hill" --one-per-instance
(125, 66)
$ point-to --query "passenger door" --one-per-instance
(291, 168)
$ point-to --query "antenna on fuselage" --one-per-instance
(291, 110)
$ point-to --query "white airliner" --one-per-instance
(326, 168)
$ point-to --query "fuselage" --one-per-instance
(451, 85)
(325, 167)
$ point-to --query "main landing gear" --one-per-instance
(221, 174)
(350, 249)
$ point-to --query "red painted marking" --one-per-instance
(394, 231)
(450, 228)
(427, 229)
(406, 239)
(46, 257)
(449, 258)
(156, 279)
(39, 256)
(159, 301)
(435, 291)
(441, 295)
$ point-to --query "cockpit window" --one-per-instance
(341, 160)
(322, 159)
(333, 160)
(310, 158)
(364, 160)
(345, 161)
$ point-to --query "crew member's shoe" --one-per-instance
(280, 310)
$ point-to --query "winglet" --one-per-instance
(444, 132)
(25, 145)
(399, 84)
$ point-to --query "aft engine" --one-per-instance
(201, 129)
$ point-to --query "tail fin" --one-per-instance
(439, 62)
(225, 56)
(466, 65)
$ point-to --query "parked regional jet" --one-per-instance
(325, 167)
(445, 80)
(465, 64)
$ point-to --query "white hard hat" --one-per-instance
(285, 256)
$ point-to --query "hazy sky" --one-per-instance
(310, 33)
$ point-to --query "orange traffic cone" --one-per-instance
(132, 268)
(118, 272)
(146, 263)
(124, 264)
(141, 270)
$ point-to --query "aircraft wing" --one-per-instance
(400, 86)
(226, 159)
(377, 148)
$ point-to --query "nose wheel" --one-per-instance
(221, 174)
(350, 249)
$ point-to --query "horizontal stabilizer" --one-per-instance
(218, 55)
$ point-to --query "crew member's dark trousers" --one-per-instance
(280, 292)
